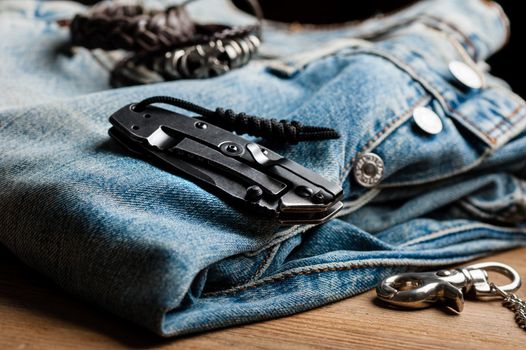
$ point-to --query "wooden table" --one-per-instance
(34, 314)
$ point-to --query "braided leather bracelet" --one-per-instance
(132, 28)
(166, 45)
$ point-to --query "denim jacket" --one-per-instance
(159, 250)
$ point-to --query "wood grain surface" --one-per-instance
(34, 314)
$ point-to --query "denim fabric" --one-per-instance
(158, 250)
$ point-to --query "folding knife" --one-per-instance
(242, 171)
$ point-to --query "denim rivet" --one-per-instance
(427, 120)
(369, 170)
(466, 75)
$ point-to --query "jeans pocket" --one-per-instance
(289, 67)
(473, 122)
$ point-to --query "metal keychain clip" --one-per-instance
(423, 289)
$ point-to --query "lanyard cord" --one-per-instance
(270, 129)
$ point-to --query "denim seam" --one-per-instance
(269, 257)
(387, 130)
(460, 171)
(505, 206)
(456, 113)
(353, 264)
(280, 237)
(509, 119)
(482, 213)
(291, 65)
(466, 40)
(351, 206)
(302, 60)
(436, 92)
(341, 266)
(386, 263)
(500, 202)
(459, 228)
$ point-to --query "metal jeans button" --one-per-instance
(427, 120)
(466, 75)
(369, 170)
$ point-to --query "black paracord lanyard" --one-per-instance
(271, 129)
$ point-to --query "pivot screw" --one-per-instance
(318, 198)
(232, 148)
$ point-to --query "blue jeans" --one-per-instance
(158, 250)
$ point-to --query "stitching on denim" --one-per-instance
(459, 228)
(472, 209)
(483, 134)
(400, 63)
(342, 266)
(483, 213)
(505, 205)
(280, 237)
(457, 30)
(448, 108)
(388, 129)
(507, 119)
(386, 263)
(352, 206)
(353, 264)
(434, 90)
(441, 176)
(515, 196)
(268, 258)
(435, 93)
(330, 49)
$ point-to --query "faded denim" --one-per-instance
(157, 249)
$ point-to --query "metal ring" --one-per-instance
(485, 289)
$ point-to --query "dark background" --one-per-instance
(507, 64)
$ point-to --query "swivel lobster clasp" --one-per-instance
(448, 287)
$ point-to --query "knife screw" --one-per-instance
(318, 198)
(232, 148)
(254, 193)
(304, 191)
(201, 125)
